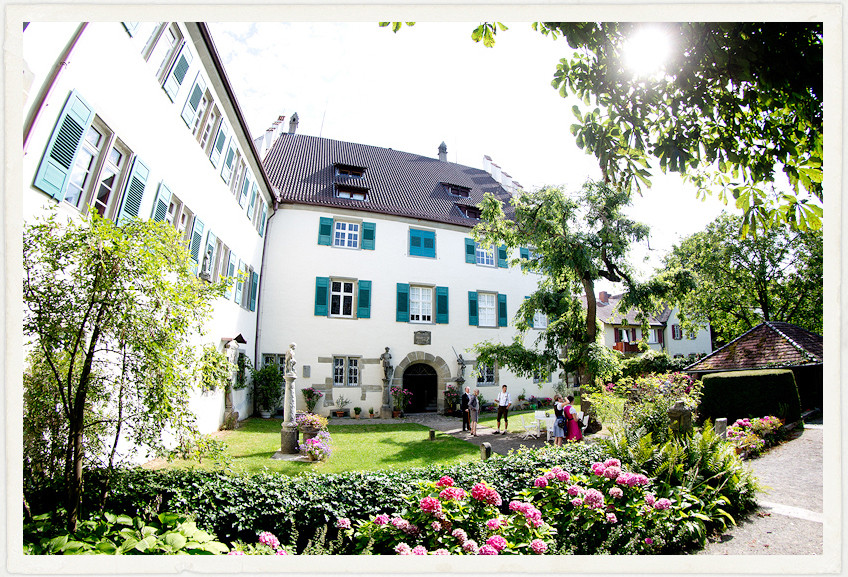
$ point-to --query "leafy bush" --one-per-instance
(110, 534)
(651, 361)
(740, 394)
(268, 385)
(752, 436)
(311, 395)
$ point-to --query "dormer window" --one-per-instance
(348, 171)
(467, 211)
(351, 192)
(457, 190)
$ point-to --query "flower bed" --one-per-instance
(752, 436)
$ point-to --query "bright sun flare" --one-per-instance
(645, 52)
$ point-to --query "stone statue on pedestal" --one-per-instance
(291, 363)
(388, 371)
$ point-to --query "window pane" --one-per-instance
(347, 310)
(353, 372)
(338, 371)
(486, 310)
(335, 304)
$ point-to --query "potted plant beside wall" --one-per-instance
(356, 411)
(371, 412)
(341, 403)
(402, 398)
(268, 386)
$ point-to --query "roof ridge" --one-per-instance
(715, 352)
(797, 345)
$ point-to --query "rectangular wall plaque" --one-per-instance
(422, 338)
(307, 371)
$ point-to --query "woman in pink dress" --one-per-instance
(572, 432)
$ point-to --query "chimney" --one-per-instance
(443, 152)
(293, 123)
(604, 296)
(487, 163)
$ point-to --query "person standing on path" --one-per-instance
(504, 402)
(463, 406)
(474, 411)
(558, 430)
(572, 426)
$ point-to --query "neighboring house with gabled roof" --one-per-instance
(623, 331)
(770, 345)
(371, 248)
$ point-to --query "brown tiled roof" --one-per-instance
(399, 183)
(607, 313)
(767, 345)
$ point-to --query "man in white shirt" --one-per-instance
(504, 402)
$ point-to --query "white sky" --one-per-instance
(430, 83)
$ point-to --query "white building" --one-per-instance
(371, 248)
(138, 119)
(622, 331)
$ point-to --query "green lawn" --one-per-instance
(355, 448)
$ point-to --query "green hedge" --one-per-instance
(740, 394)
(238, 506)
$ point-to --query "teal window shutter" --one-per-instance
(402, 315)
(160, 205)
(252, 201)
(190, 109)
(470, 251)
(254, 288)
(230, 272)
(442, 305)
(245, 188)
(178, 72)
(134, 192)
(422, 243)
(415, 242)
(262, 219)
(55, 168)
(369, 234)
(210, 246)
(227, 168)
(524, 253)
(325, 231)
(363, 301)
(473, 318)
(322, 296)
(218, 147)
(502, 321)
(502, 257)
(196, 237)
(239, 282)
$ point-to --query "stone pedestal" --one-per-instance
(681, 419)
(288, 433)
(721, 427)
(288, 439)
(386, 409)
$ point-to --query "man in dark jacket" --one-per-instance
(463, 406)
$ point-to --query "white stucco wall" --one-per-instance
(108, 71)
(295, 259)
(686, 346)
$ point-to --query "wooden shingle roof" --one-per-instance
(767, 345)
(301, 167)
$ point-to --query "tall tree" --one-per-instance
(740, 282)
(575, 240)
(734, 104)
(109, 312)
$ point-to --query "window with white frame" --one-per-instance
(420, 304)
(485, 255)
(487, 310)
(346, 234)
(676, 333)
(210, 124)
(180, 217)
(654, 336)
(350, 192)
(346, 371)
(540, 320)
(271, 359)
(341, 298)
(485, 375)
(165, 48)
(202, 108)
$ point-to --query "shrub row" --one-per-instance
(237, 506)
(741, 394)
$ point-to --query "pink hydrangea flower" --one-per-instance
(478, 491)
(281, 552)
(649, 541)
(650, 499)
(612, 472)
(593, 498)
(430, 505)
(616, 493)
(436, 526)
(487, 550)
(574, 490)
(403, 549)
(531, 513)
(556, 469)
(549, 475)
(419, 550)
(662, 504)
(493, 524)
(562, 476)
(612, 463)
(343, 523)
(440, 552)
(598, 468)
(540, 482)
(497, 542)
(537, 522)
(460, 535)
(236, 553)
(269, 539)
(516, 506)
(538, 546)
(611, 518)
(400, 523)
(577, 502)
(381, 519)
(452, 493)
(445, 482)
(470, 546)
